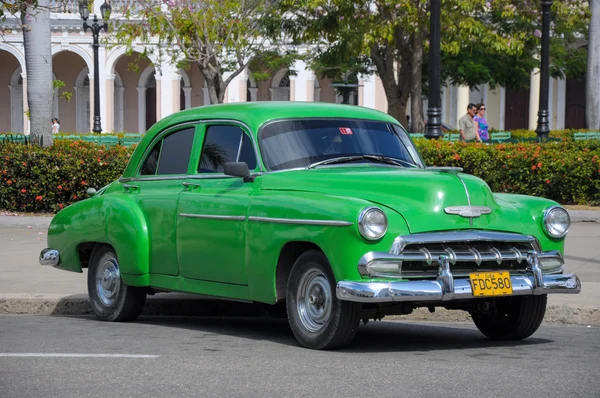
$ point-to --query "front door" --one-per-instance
(156, 189)
(211, 223)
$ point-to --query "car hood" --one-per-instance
(419, 195)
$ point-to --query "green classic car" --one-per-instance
(326, 210)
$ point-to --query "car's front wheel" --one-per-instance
(317, 318)
(514, 318)
(109, 297)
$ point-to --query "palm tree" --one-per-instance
(38, 63)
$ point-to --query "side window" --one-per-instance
(171, 155)
(149, 166)
(224, 144)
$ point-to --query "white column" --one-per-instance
(102, 83)
(302, 80)
(141, 109)
(188, 97)
(167, 76)
(108, 123)
(25, 105)
(369, 92)
(231, 94)
(444, 111)
(462, 101)
(502, 108)
(561, 107)
(206, 99)
(534, 98)
(551, 121)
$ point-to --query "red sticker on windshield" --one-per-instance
(346, 130)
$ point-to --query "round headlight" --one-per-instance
(372, 223)
(556, 222)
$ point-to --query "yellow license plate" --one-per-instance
(491, 283)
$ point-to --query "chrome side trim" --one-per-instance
(153, 178)
(213, 216)
(436, 290)
(49, 257)
(329, 223)
(402, 241)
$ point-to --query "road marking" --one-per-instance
(74, 355)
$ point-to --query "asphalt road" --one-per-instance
(256, 357)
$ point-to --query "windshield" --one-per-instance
(301, 143)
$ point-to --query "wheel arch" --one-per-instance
(287, 257)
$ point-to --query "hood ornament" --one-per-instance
(468, 211)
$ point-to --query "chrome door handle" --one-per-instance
(190, 184)
(130, 187)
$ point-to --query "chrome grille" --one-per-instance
(421, 259)
(418, 255)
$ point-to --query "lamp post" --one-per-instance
(543, 123)
(95, 27)
(434, 110)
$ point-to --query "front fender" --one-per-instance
(531, 210)
(342, 245)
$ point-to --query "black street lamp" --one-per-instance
(434, 109)
(543, 123)
(105, 10)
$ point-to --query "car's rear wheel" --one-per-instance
(109, 297)
(317, 318)
(514, 318)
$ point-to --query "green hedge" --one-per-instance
(34, 179)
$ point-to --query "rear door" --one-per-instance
(156, 189)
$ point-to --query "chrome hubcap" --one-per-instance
(108, 280)
(314, 300)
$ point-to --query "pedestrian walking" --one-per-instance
(467, 126)
(482, 124)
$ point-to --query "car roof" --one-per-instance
(254, 115)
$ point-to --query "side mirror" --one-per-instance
(91, 191)
(238, 169)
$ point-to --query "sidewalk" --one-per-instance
(29, 288)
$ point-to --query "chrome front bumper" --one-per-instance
(49, 257)
(437, 290)
(445, 287)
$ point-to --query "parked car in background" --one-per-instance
(327, 209)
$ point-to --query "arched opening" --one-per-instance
(150, 99)
(280, 86)
(251, 88)
(129, 97)
(185, 91)
(11, 89)
(71, 101)
(16, 102)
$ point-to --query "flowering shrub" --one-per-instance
(35, 179)
(567, 172)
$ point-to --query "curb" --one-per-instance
(184, 305)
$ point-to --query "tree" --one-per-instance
(593, 68)
(15, 6)
(38, 62)
(394, 35)
(218, 36)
